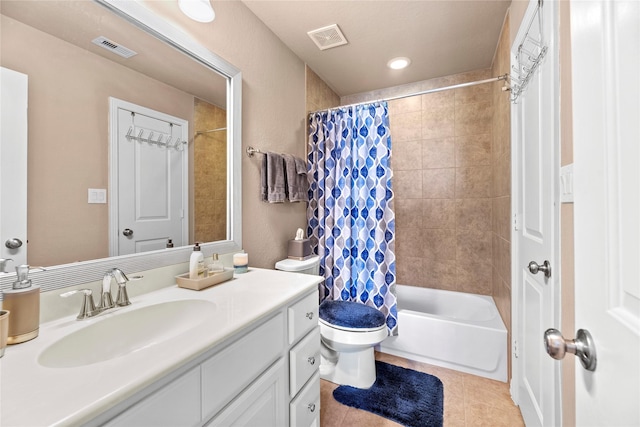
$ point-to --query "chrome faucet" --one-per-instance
(88, 308)
(122, 299)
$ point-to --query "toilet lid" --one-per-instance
(352, 315)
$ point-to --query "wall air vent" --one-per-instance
(328, 37)
(114, 47)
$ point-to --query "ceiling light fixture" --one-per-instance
(198, 10)
(399, 63)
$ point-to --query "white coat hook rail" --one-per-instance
(161, 140)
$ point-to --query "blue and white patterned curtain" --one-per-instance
(351, 220)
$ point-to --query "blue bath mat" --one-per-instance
(408, 397)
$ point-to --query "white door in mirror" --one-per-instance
(151, 179)
(13, 166)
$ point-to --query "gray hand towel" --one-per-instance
(296, 174)
(272, 179)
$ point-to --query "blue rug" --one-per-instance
(408, 397)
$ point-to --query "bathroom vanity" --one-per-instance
(247, 354)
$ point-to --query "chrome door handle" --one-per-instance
(583, 347)
(534, 267)
(127, 232)
(14, 243)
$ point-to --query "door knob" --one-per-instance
(127, 232)
(14, 243)
(583, 347)
(534, 267)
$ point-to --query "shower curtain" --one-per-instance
(350, 217)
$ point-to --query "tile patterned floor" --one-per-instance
(468, 401)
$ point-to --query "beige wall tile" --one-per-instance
(473, 150)
(405, 105)
(438, 122)
(474, 214)
(439, 213)
(473, 94)
(409, 213)
(406, 126)
(473, 119)
(439, 244)
(409, 243)
(438, 153)
(410, 271)
(408, 184)
(406, 155)
(440, 274)
(473, 182)
(438, 183)
(473, 246)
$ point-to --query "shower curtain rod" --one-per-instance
(424, 92)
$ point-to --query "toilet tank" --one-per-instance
(310, 265)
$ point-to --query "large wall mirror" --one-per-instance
(119, 146)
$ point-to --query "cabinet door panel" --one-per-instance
(178, 403)
(262, 404)
(228, 372)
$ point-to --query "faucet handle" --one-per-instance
(3, 264)
(122, 298)
(88, 307)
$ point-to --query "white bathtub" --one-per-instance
(450, 329)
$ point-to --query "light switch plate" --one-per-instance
(97, 195)
(566, 184)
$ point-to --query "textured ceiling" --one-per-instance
(440, 37)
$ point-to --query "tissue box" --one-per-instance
(299, 249)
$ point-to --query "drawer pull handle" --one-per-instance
(311, 360)
(311, 407)
(310, 315)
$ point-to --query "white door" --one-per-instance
(606, 124)
(535, 137)
(151, 179)
(13, 166)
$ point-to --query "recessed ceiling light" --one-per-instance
(399, 63)
(198, 10)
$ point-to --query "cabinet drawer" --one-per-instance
(304, 360)
(304, 410)
(303, 316)
(228, 372)
(178, 403)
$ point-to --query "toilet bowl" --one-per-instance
(349, 331)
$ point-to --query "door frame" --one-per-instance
(13, 163)
(516, 264)
(114, 207)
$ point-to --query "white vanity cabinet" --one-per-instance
(267, 375)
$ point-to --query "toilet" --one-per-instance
(349, 331)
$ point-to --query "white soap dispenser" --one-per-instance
(196, 263)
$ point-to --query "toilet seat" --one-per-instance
(350, 316)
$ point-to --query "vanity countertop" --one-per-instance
(31, 394)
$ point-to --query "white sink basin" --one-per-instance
(127, 332)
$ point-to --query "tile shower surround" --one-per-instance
(443, 176)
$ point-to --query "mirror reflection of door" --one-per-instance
(149, 182)
(13, 166)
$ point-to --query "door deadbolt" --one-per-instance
(583, 347)
(534, 267)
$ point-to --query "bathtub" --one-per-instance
(450, 329)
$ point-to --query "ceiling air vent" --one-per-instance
(114, 47)
(328, 37)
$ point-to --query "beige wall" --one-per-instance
(566, 218)
(273, 115)
(69, 149)
(501, 195)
